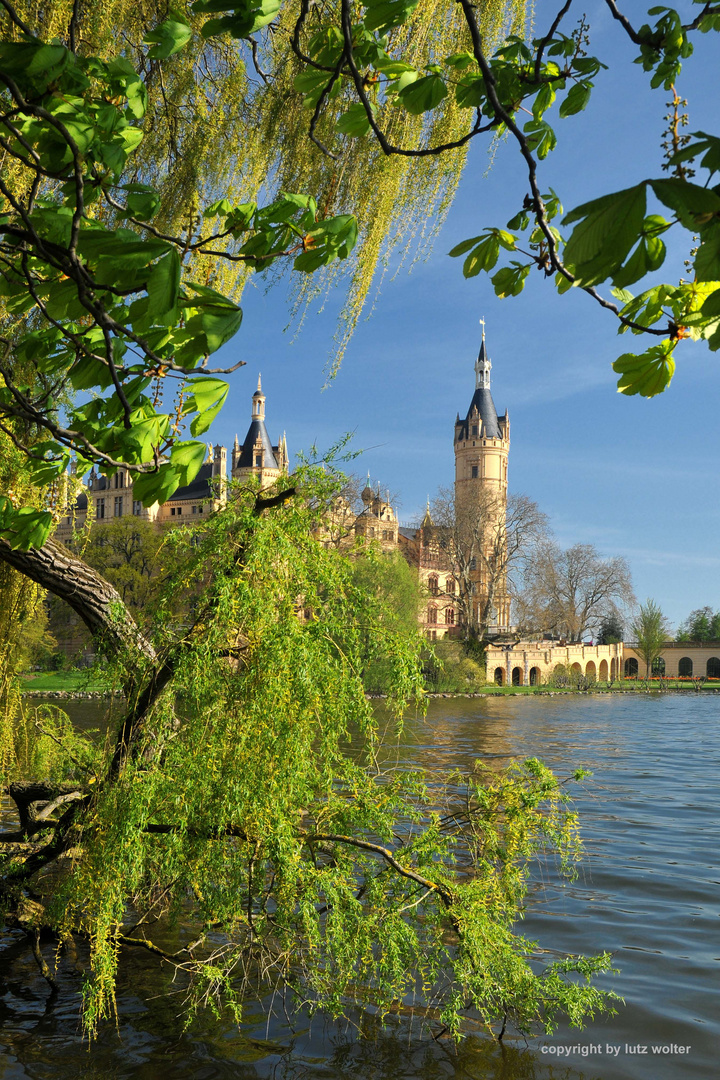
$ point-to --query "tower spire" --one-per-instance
(258, 403)
(482, 364)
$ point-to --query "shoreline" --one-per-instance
(521, 691)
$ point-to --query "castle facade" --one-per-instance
(456, 561)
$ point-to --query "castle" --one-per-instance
(481, 443)
(107, 498)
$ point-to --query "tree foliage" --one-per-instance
(651, 632)
(235, 795)
(237, 799)
(702, 624)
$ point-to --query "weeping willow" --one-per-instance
(220, 125)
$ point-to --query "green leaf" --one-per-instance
(26, 59)
(711, 306)
(141, 201)
(171, 36)
(540, 137)
(462, 248)
(470, 92)
(608, 227)
(707, 260)
(219, 325)
(543, 100)
(647, 373)
(163, 286)
(384, 14)
(157, 486)
(355, 121)
(186, 458)
(423, 94)
(695, 206)
(576, 100)
(207, 397)
(245, 18)
(25, 527)
(510, 281)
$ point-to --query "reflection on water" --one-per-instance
(648, 891)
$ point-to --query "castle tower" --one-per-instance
(482, 443)
(257, 456)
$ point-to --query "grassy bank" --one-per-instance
(69, 682)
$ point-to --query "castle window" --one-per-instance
(432, 614)
(450, 586)
(473, 563)
(137, 507)
(118, 506)
(194, 510)
(100, 509)
(433, 585)
(450, 616)
(474, 471)
(474, 429)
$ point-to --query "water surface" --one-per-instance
(649, 891)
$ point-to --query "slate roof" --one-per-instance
(199, 489)
(246, 459)
(482, 399)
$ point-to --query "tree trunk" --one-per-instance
(97, 603)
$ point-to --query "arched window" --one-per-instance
(473, 563)
(450, 586)
(432, 614)
(450, 616)
(433, 585)
(685, 666)
(499, 676)
(534, 676)
(517, 676)
(713, 668)
(658, 666)
(631, 668)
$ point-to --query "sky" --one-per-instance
(635, 477)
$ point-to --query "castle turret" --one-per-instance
(482, 444)
(257, 456)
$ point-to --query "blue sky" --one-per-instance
(635, 477)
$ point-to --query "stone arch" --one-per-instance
(590, 669)
(576, 668)
(631, 668)
(658, 665)
(535, 678)
(713, 668)
(685, 666)
(603, 671)
(499, 676)
(517, 676)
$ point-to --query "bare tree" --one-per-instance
(485, 545)
(572, 591)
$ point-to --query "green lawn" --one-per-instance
(69, 681)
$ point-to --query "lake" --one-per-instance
(649, 891)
